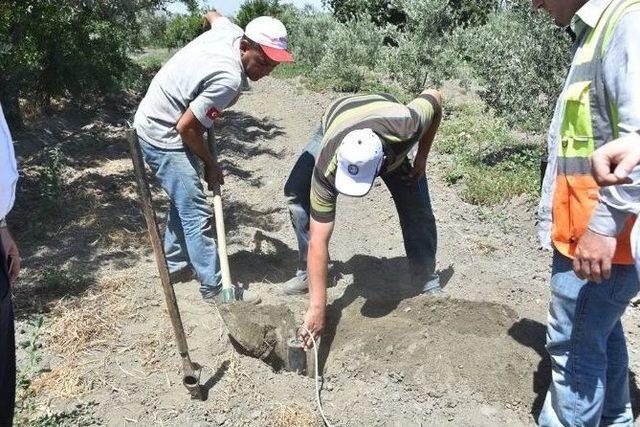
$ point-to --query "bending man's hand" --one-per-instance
(314, 321)
(613, 162)
(416, 172)
(11, 251)
(592, 259)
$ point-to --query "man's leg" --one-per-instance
(174, 242)
(617, 401)
(190, 216)
(418, 227)
(585, 340)
(7, 349)
(296, 190)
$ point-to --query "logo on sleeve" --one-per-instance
(213, 113)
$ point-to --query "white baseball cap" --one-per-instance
(360, 157)
(271, 35)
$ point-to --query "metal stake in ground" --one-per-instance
(190, 370)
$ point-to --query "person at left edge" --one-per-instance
(9, 269)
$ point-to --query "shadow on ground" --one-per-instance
(77, 210)
(532, 334)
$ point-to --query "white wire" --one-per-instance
(315, 352)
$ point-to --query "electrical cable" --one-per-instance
(319, 401)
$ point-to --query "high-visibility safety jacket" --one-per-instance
(589, 121)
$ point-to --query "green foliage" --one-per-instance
(351, 54)
(51, 175)
(487, 159)
(421, 53)
(63, 281)
(28, 370)
(52, 48)
(31, 345)
(381, 11)
(153, 27)
(468, 13)
(65, 46)
(81, 415)
(181, 29)
(521, 61)
(252, 9)
(308, 37)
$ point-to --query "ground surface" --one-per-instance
(391, 357)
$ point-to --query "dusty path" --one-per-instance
(395, 358)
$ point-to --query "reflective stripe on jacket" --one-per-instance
(588, 122)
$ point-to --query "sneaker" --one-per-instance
(240, 294)
(246, 295)
(432, 287)
(183, 275)
(436, 290)
(297, 285)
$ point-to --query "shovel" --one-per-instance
(260, 331)
(227, 295)
(190, 371)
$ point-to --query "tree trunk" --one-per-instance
(10, 104)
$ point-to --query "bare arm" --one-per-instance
(208, 18)
(11, 252)
(191, 131)
(317, 261)
(425, 143)
(424, 146)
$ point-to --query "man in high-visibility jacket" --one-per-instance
(593, 278)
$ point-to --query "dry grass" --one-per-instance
(153, 346)
(294, 416)
(80, 324)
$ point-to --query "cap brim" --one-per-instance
(350, 186)
(277, 55)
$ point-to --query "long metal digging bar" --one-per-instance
(227, 293)
(191, 371)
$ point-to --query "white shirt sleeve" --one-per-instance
(621, 67)
(8, 168)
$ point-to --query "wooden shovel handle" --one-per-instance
(217, 212)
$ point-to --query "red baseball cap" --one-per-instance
(271, 35)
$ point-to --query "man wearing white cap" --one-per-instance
(184, 98)
(362, 137)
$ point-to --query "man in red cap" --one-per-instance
(183, 99)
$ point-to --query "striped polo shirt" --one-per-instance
(399, 126)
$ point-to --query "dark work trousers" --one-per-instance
(7, 348)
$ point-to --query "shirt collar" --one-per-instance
(591, 11)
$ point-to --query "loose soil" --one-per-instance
(390, 356)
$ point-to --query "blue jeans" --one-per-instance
(188, 238)
(590, 377)
(412, 204)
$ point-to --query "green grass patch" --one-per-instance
(489, 161)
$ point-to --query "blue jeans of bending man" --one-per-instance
(412, 204)
(188, 238)
(585, 339)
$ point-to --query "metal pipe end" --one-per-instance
(192, 384)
